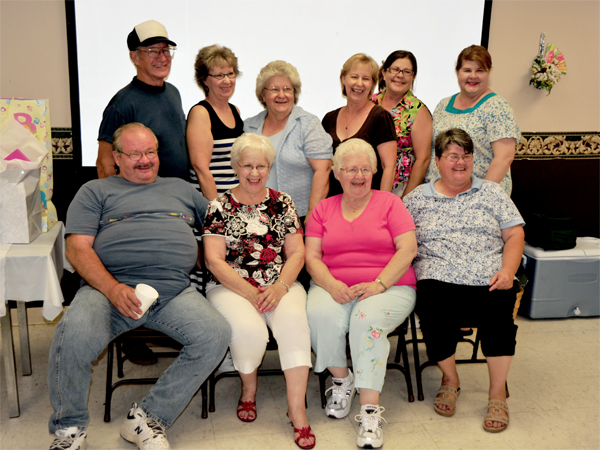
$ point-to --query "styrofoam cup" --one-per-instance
(147, 295)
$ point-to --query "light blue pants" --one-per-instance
(91, 322)
(368, 323)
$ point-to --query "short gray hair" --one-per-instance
(252, 144)
(277, 69)
(116, 139)
(353, 147)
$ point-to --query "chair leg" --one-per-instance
(109, 371)
(406, 364)
(203, 390)
(322, 379)
(475, 347)
(418, 368)
(211, 392)
(120, 359)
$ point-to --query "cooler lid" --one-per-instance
(587, 247)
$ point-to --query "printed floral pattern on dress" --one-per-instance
(490, 120)
(404, 114)
(254, 234)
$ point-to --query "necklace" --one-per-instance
(355, 115)
(358, 207)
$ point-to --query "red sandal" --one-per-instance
(303, 433)
(248, 406)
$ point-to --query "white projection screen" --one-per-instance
(316, 36)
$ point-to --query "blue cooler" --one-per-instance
(562, 283)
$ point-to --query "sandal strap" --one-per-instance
(445, 398)
(248, 406)
(495, 414)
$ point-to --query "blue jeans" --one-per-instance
(91, 322)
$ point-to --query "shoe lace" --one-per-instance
(370, 421)
(337, 393)
(63, 441)
(156, 431)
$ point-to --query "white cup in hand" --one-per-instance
(147, 295)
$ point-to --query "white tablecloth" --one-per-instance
(33, 271)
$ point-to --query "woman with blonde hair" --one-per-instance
(362, 119)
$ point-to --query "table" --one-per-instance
(29, 272)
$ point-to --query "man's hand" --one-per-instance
(124, 299)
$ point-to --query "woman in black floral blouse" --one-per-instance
(254, 249)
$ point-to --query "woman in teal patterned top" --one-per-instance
(484, 115)
(411, 117)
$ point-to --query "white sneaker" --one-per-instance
(370, 428)
(342, 393)
(226, 365)
(141, 430)
(69, 439)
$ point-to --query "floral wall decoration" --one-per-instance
(548, 66)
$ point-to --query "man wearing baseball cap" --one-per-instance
(149, 100)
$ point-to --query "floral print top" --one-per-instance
(254, 234)
(404, 114)
(460, 238)
(490, 120)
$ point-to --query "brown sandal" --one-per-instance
(495, 415)
(446, 400)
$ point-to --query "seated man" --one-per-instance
(124, 230)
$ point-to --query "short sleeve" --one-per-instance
(214, 222)
(317, 142)
(383, 128)
(504, 209)
(500, 120)
(111, 120)
(85, 212)
(314, 227)
(399, 219)
(291, 221)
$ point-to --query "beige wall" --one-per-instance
(573, 26)
(34, 59)
(33, 54)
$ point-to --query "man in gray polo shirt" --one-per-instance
(121, 231)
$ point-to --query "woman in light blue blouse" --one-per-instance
(484, 115)
(303, 149)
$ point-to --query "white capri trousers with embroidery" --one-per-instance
(368, 323)
(249, 334)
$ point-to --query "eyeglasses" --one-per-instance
(453, 157)
(396, 71)
(275, 90)
(220, 76)
(136, 156)
(366, 171)
(249, 168)
(153, 53)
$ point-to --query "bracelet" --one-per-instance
(286, 286)
(381, 283)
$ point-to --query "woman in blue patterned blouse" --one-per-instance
(470, 237)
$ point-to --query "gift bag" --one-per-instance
(34, 115)
(21, 156)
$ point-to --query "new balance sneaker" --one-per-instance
(370, 428)
(141, 430)
(342, 393)
(69, 439)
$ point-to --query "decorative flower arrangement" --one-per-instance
(547, 67)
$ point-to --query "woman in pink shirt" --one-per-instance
(359, 249)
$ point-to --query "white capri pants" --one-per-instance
(249, 334)
(368, 323)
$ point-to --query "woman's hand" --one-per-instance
(269, 297)
(340, 292)
(365, 290)
(503, 280)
